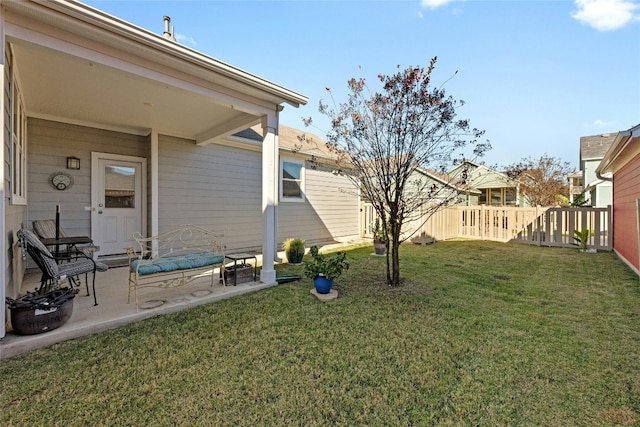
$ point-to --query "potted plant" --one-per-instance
(380, 238)
(294, 250)
(324, 269)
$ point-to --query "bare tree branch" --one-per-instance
(389, 137)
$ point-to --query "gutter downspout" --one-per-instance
(604, 178)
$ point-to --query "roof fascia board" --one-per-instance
(618, 155)
(116, 31)
(309, 155)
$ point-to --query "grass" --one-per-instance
(478, 334)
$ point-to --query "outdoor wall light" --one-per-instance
(73, 163)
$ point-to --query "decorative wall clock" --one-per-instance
(61, 181)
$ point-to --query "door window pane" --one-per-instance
(119, 188)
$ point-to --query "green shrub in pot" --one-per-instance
(294, 250)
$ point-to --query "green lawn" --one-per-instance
(478, 334)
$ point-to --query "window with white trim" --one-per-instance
(291, 180)
(17, 130)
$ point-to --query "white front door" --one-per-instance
(117, 201)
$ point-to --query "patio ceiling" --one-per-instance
(63, 87)
(80, 65)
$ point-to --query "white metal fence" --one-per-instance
(537, 226)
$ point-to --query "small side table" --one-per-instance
(70, 241)
(242, 257)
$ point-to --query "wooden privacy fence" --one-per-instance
(536, 226)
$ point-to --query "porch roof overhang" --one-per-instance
(624, 148)
(80, 65)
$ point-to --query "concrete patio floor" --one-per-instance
(112, 309)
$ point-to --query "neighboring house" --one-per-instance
(437, 189)
(434, 188)
(621, 163)
(592, 151)
(496, 188)
(446, 188)
(151, 123)
(575, 185)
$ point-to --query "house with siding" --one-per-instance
(159, 131)
(316, 203)
(496, 188)
(592, 150)
(620, 165)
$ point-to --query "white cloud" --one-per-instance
(432, 4)
(605, 15)
(601, 123)
(186, 40)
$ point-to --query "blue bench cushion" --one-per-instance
(175, 263)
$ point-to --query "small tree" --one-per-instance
(541, 180)
(580, 201)
(385, 136)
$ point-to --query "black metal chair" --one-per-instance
(54, 273)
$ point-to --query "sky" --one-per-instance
(536, 75)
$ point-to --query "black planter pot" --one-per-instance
(294, 257)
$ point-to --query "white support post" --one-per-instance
(3, 195)
(269, 197)
(154, 226)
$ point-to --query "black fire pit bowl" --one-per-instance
(35, 314)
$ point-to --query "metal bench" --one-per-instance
(174, 258)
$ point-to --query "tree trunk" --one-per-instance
(388, 264)
(394, 279)
(396, 262)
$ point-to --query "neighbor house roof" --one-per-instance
(304, 142)
(478, 175)
(449, 181)
(595, 146)
(292, 140)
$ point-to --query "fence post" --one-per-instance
(538, 226)
(481, 222)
